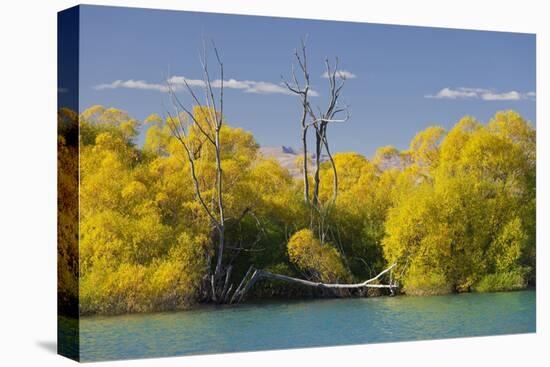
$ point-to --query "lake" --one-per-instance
(311, 323)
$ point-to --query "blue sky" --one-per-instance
(405, 78)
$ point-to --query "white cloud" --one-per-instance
(178, 83)
(265, 88)
(343, 74)
(507, 96)
(455, 93)
(480, 93)
(231, 83)
(132, 84)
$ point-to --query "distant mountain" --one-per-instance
(287, 157)
(288, 150)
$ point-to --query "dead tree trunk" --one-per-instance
(321, 120)
(207, 132)
(257, 275)
(319, 123)
(303, 93)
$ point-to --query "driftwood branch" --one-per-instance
(366, 283)
(241, 292)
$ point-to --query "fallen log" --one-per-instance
(241, 292)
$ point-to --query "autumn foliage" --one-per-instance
(456, 211)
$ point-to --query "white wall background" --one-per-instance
(28, 181)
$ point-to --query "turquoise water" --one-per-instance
(262, 326)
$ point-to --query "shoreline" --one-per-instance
(260, 301)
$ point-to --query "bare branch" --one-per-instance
(176, 102)
(262, 274)
(181, 138)
(303, 93)
(208, 131)
(366, 283)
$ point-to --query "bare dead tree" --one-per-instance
(302, 91)
(320, 121)
(206, 132)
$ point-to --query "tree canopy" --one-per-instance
(456, 211)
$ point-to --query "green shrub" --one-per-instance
(504, 281)
(424, 282)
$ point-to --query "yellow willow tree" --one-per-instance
(133, 256)
(67, 219)
(465, 219)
